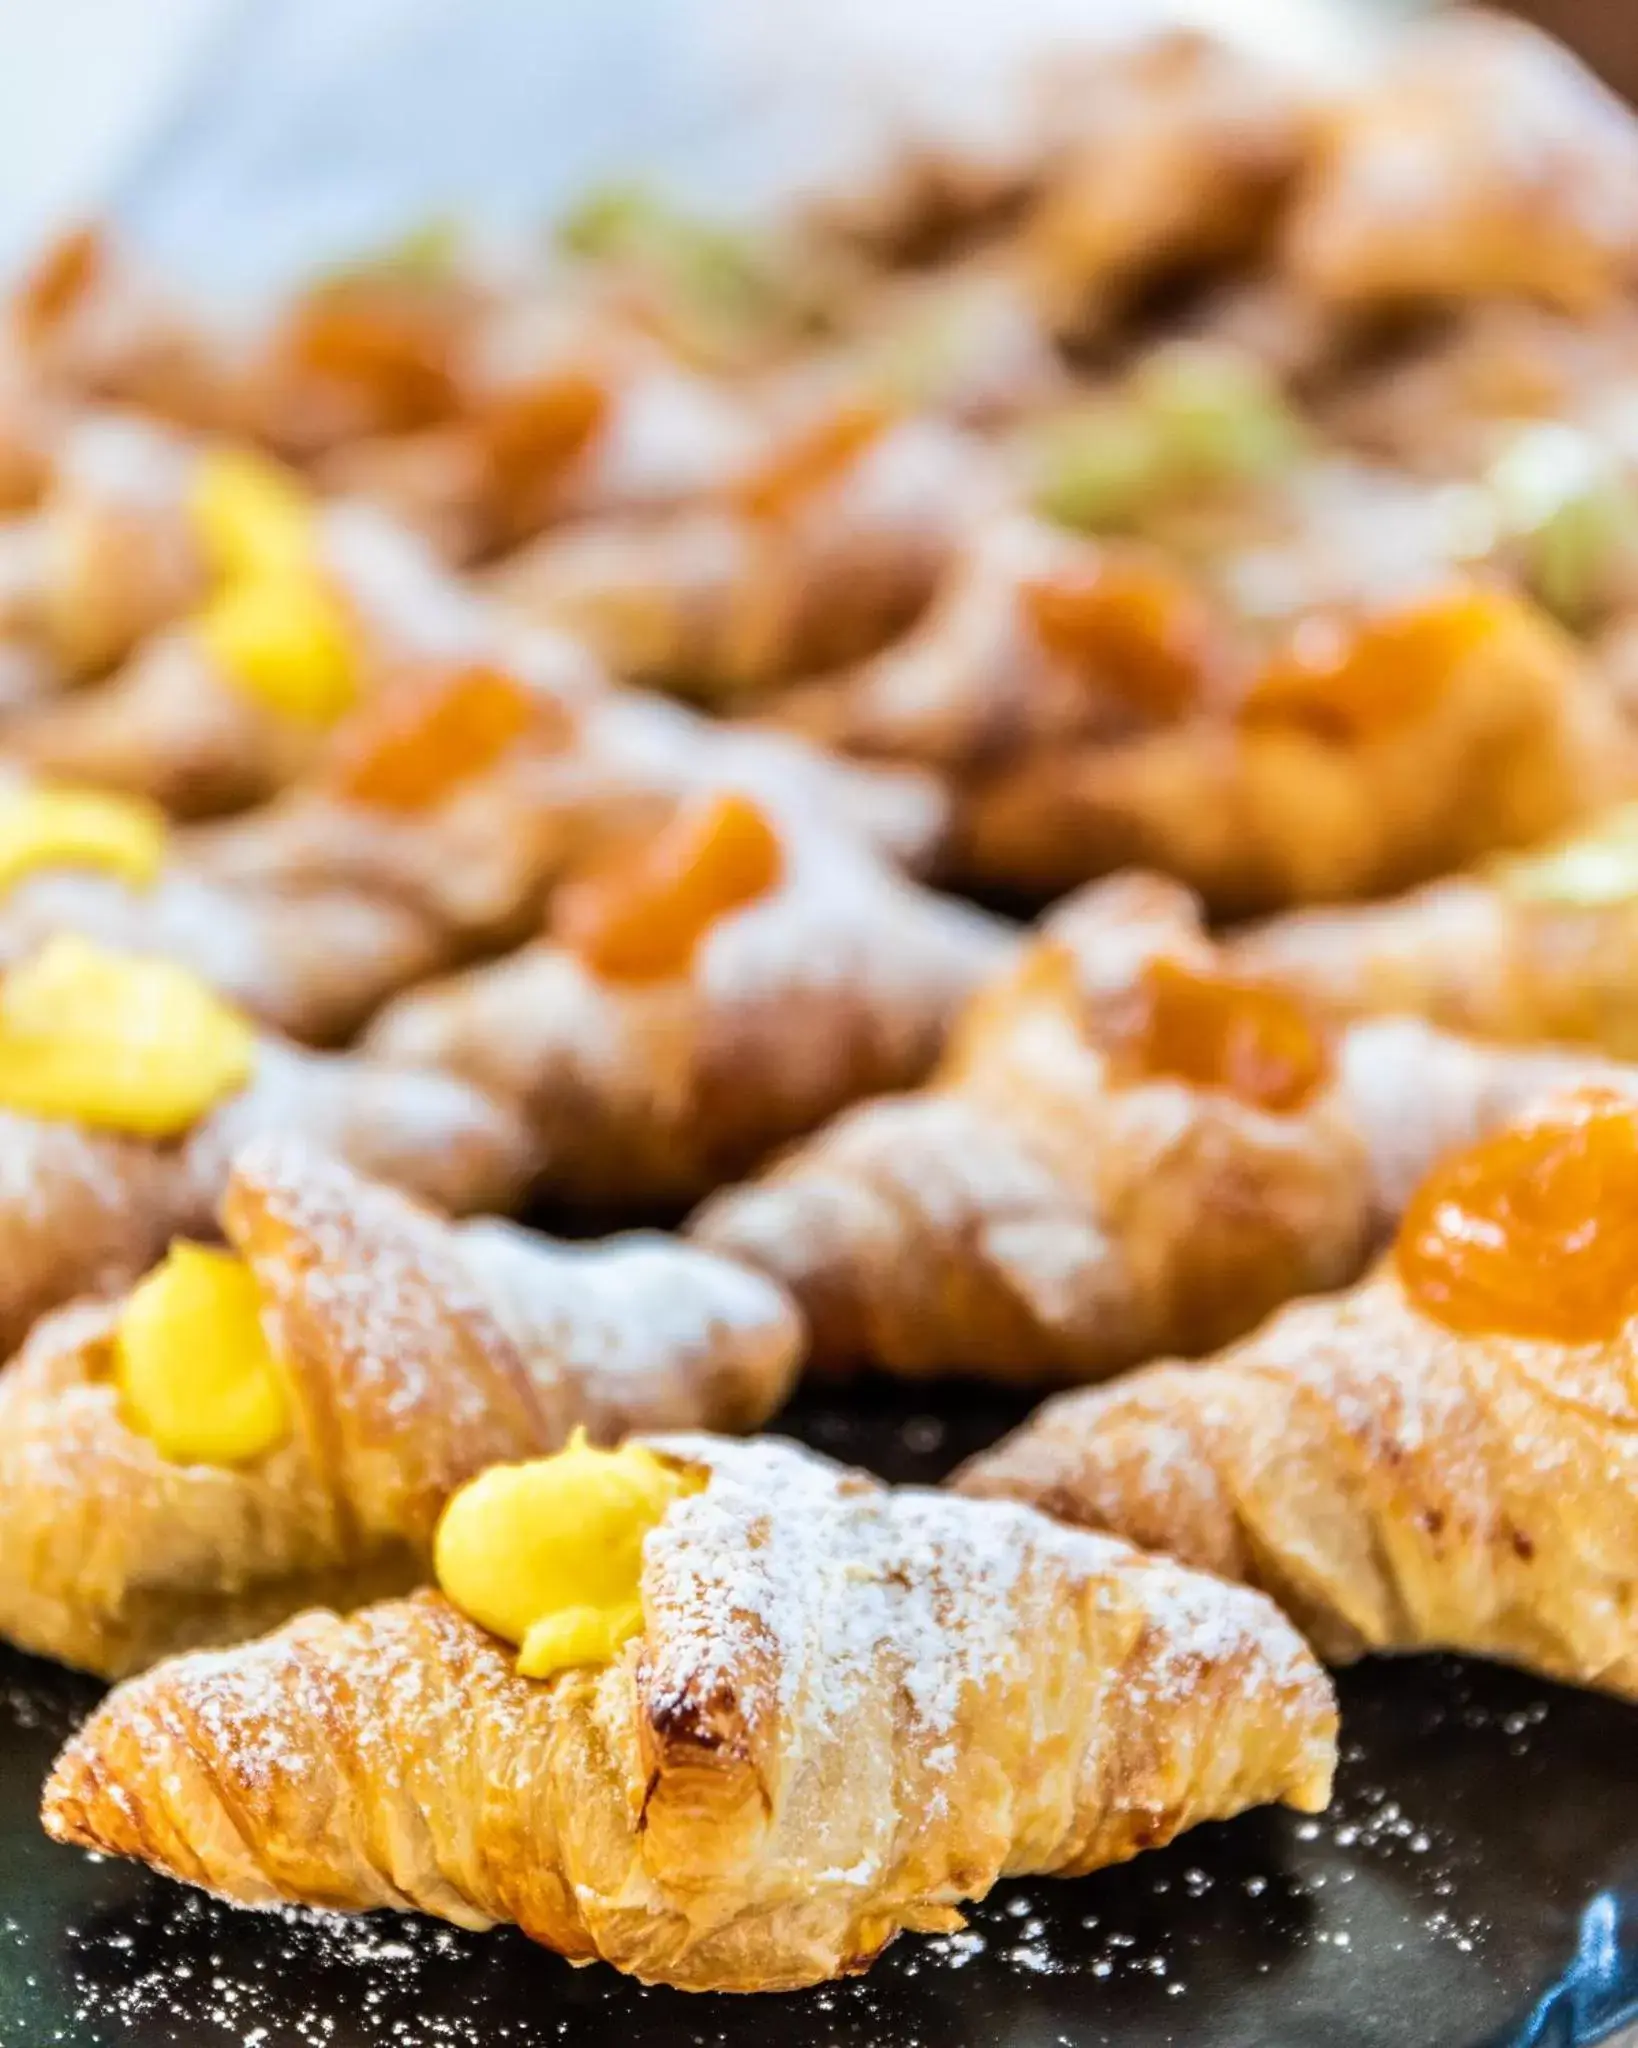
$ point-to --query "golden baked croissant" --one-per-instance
(1366, 757)
(1536, 947)
(1181, 150)
(1485, 161)
(1036, 640)
(1127, 1149)
(312, 960)
(407, 1354)
(724, 985)
(815, 556)
(109, 554)
(1441, 1458)
(125, 1088)
(87, 322)
(234, 701)
(847, 1710)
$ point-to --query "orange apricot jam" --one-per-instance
(59, 278)
(391, 342)
(1532, 1233)
(1217, 1032)
(811, 460)
(414, 745)
(1128, 625)
(641, 918)
(1352, 681)
(530, 434)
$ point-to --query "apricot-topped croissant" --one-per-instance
(779, 1714)
(1442, 1458)
(256, 1428)
(1540, 946)
(719, 987)
(1369, 754)
(1128, 1148)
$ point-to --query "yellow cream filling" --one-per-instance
(1597, 869)
(549, 1555)
(272, 625)
(117, 1042)
(193, 1365)
(56, 826)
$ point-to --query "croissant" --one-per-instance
(814, 557)
(1537, 947)
(1485, 161)
(87, 1204)
(848, 1710)
(1126, 1150)
(722, 987)
(1035, 641)
(109, 554)
(182, 725)
(1359, 762)
(1441, 1458)
(1180, 153)
(463, 795)
(555, 416)
(412, 1353)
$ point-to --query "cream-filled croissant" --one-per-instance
(311, 960)
(816, 555)
(1367, 756)
(1442, 1458)
(721, 986)
(125, 1086)
(782, 1714)
(1128, 1148)
(306, 611)
(1541, 946)
(254, 1429)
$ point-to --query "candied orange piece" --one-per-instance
(1532, 1233)
(60, 277)
(641, 919)
(1354, 680)
(1218, 1032)
(811, 459)
(417, 743)
(1128, 625)
(389, 339)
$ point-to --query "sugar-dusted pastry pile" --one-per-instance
(1027, 773)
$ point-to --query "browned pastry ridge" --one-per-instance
(1061, 1201)
(1398, 1476)
(848, 1710)
(412, 1353)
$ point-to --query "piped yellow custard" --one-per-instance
(549, 1555)
(193, 1365)
(56, 825)
(273, 625)
(120, 1043)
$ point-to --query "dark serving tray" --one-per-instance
(1475, 1885)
